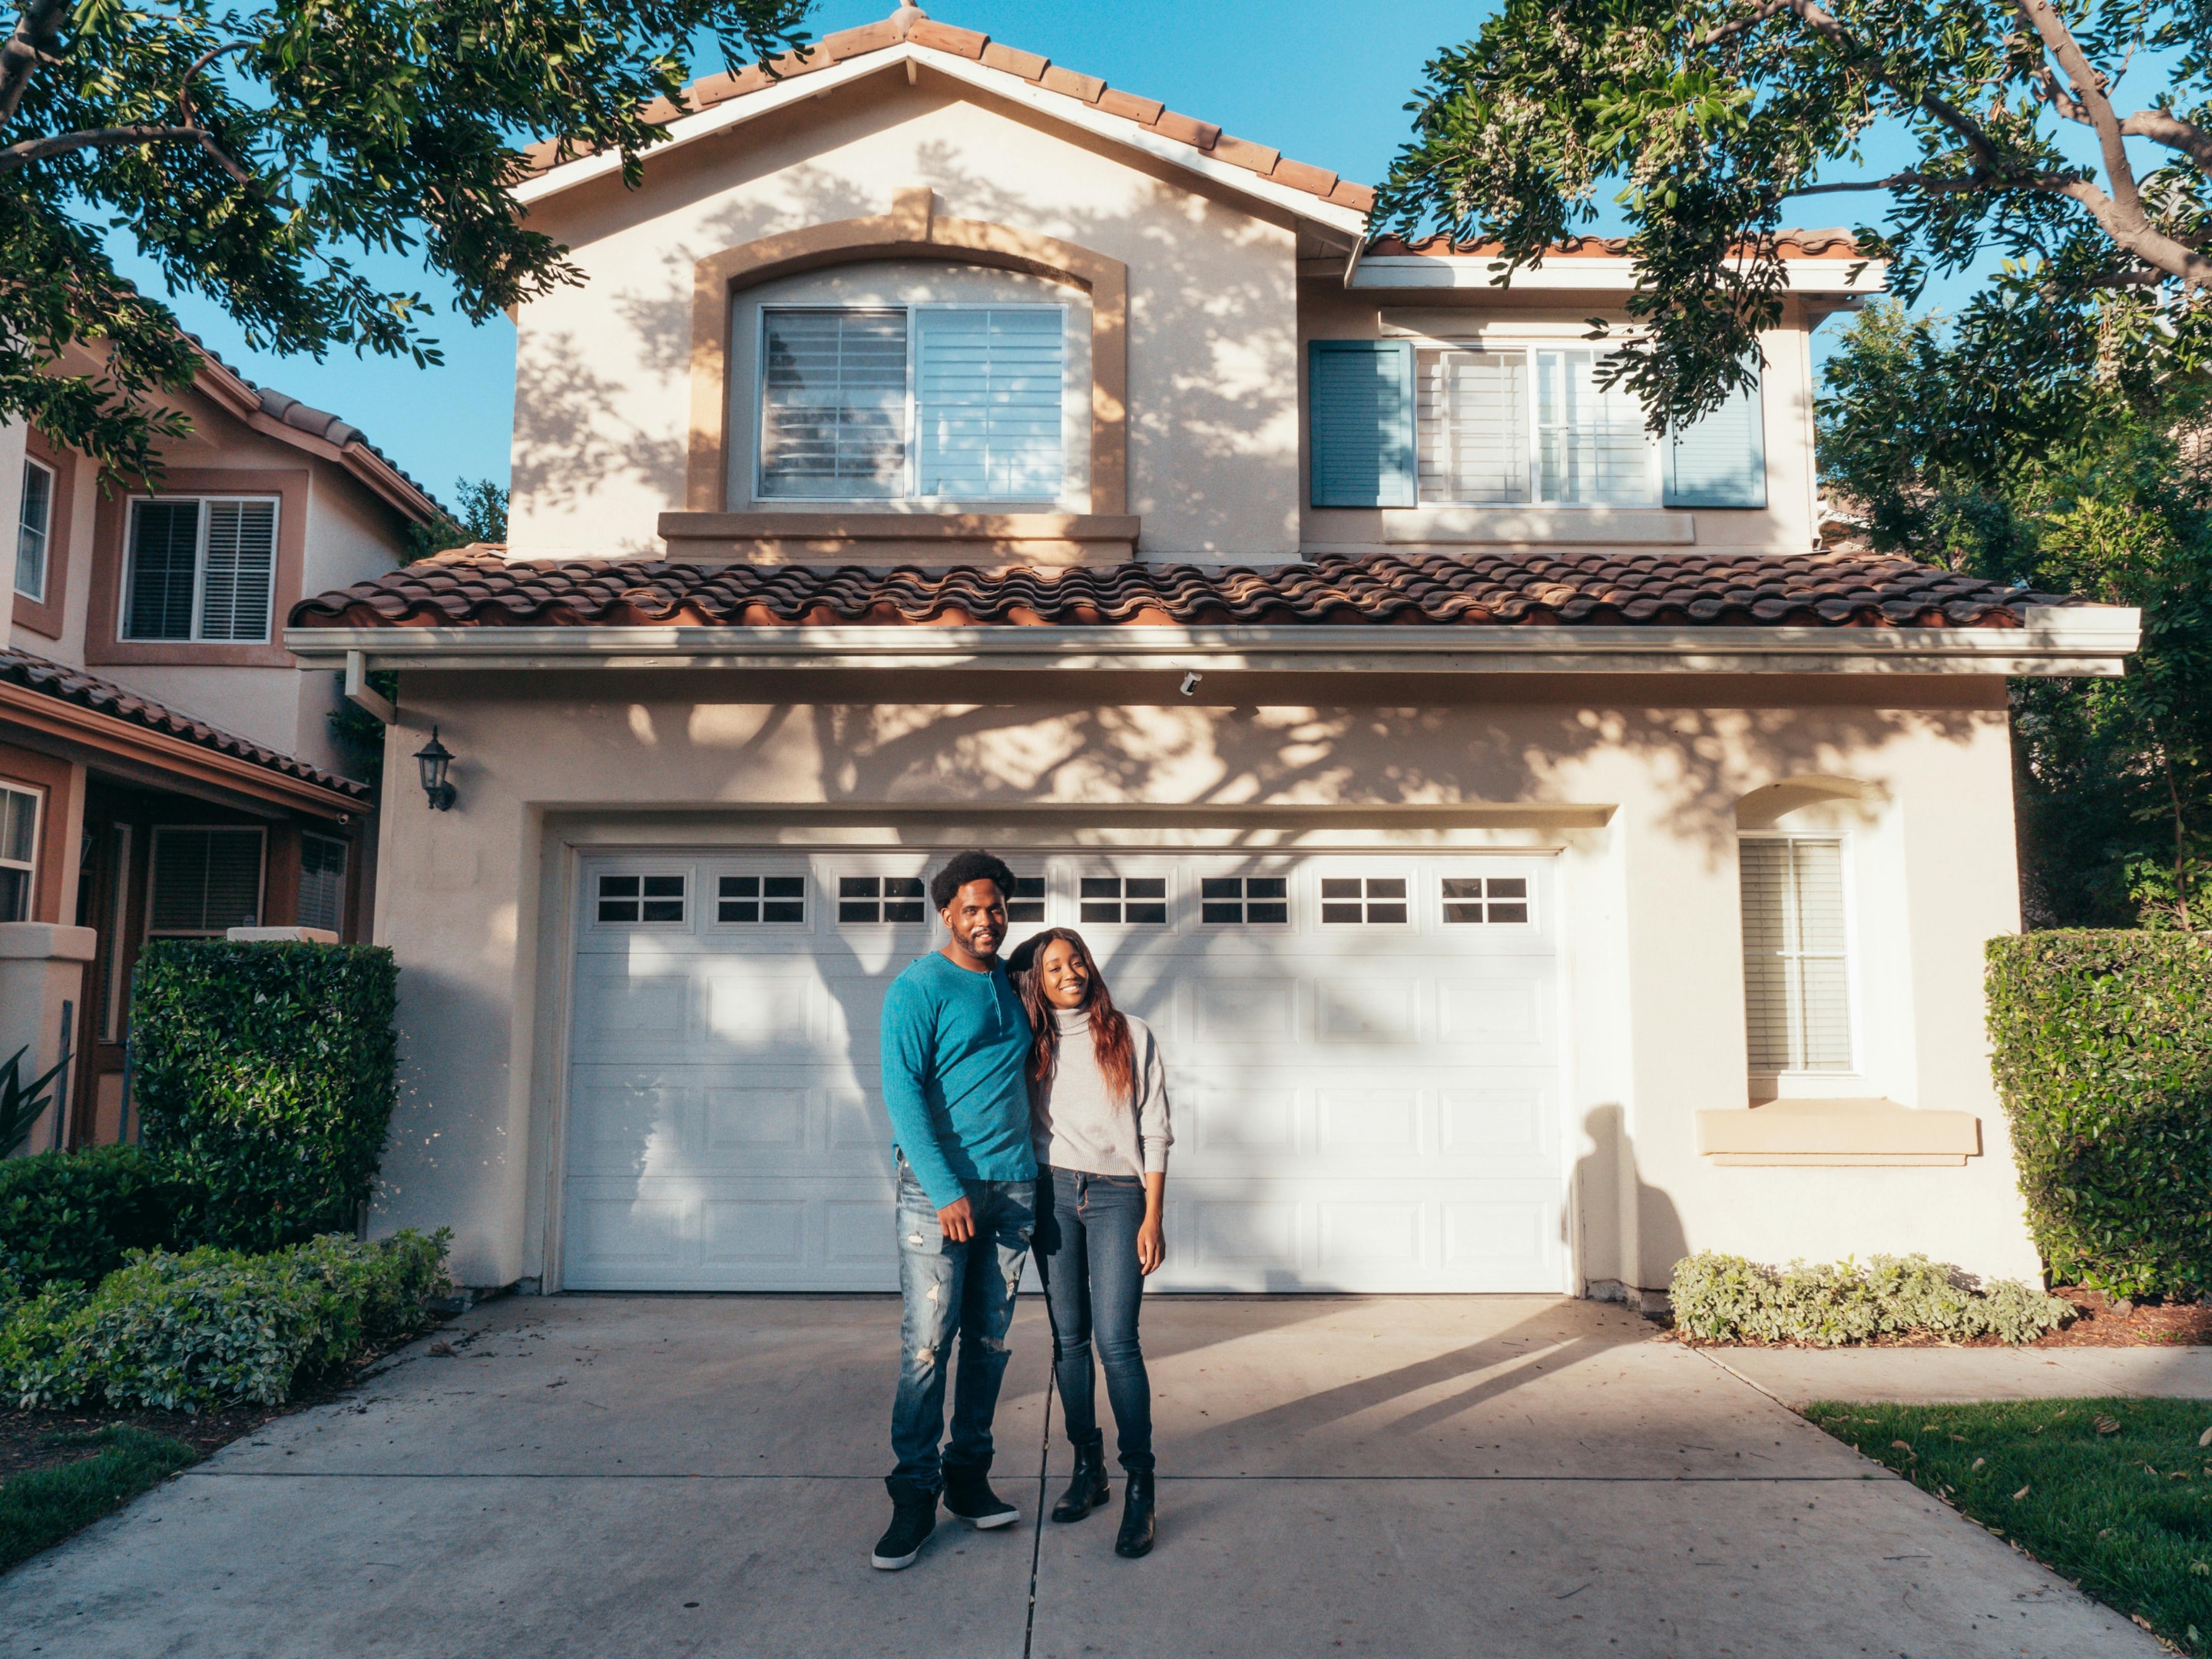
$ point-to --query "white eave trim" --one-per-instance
(2075, 641)
(1000, 84)
(1604, 275)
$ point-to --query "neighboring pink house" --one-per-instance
(165, 770)
(1537, 857)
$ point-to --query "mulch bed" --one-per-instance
(2097, 1324)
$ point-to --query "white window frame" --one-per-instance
(1482, 870)
(199, 568)
(1532, 455)
(1172, 897)
(1848, 887)
(830, 885)
(38, 596)
(28, 867)
(910, 475)
(685, 873)
(154, 877)
(711, 900)
(1364, 872)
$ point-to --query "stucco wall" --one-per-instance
(1649, 895)
(603, 377)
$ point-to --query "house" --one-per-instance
(1537, 859)
(165, 770)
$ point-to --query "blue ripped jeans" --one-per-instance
(952, 1290)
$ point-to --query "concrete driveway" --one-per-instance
(679, 1475)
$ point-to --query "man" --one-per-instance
(955, 1044)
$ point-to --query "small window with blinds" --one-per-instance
(19, 850)
(322, 883)
(1796, 972)
(1591, 446)
(1472, 427)
(205, 881)
(34, 520)
(202, 569)
(950, 402)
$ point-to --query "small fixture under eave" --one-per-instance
(434, 758)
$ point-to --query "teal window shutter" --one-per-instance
(1359, 394)
(1721, 460)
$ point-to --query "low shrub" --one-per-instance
(74, 1215)
(1726, 1298)
(2102, 1048)
(264, 1076)
(215, 1326)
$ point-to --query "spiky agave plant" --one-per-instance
(22, 1104)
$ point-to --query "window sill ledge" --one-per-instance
(1535, 525)
(1837, 1131)
(902, 537)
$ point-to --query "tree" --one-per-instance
(255, 154)
(1712, 117)
(1978, 446)
(483, 518)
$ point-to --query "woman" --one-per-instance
(1099, 1118)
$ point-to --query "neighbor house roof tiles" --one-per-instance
(477, 586)
(74, 685)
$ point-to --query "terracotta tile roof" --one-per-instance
(1834, 243)
(911, 23)
(477, 586)
(74, 685)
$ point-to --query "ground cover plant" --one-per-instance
(213, 1328)
(2115, 1495)
(2102, 1051)
(1726, 1298)
(42, 1506)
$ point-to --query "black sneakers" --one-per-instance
(1088, 1490)
(969, 1497)
(914, 1517)
(1135, 1538)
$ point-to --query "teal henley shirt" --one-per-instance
(956, 1052)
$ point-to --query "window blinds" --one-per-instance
(205, 881)
(988, 403)
(1795, 977)
(1590, 443)
(1720, 460)
(241, 570)
(833, 405)
(322, 883)
(1474, 426)
(164, 552)
(1360, 398)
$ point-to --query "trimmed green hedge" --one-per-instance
(263, 1074)
(73, 1216)
(215, 1328)
(2103, 1053)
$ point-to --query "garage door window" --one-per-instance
(1026, 903)
(1363, 900)
(637, 901)
(767, 900)
(1126, 901)
(865, 899)
(1243, 900)
(1493, 901)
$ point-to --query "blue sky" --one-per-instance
(1324, 83)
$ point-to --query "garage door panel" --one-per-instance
(1367, 1107)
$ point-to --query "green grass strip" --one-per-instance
(2115, 1495)
(41, 1507)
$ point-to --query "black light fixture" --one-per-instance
(434, 758)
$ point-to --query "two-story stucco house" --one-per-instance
(166, 769)
(1537, 858)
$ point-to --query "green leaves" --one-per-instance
(264, 1079)
(2102, 1051)
(1726, 1298)
(357, 126)
(1706, 119)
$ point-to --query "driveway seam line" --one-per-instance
(1036, 1533)
(1340, 1480)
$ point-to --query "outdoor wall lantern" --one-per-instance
(434, 758)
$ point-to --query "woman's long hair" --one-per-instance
(1109, 1029)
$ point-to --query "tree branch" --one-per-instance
(1823, 24)
(27, 49)
(1772, 8)
(1935, 184)
(2164, 127)
(18, 155)
(2089, 92)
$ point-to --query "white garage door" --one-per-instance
(1363, 1057)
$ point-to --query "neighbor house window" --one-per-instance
(200, 570)
(322, 883)
(911, 403)
(206, 881)
(34, 526)
(1796, 972)
(19, 851)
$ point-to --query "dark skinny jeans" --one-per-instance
(1087, 1253)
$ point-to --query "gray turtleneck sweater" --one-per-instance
(1081, 1125)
